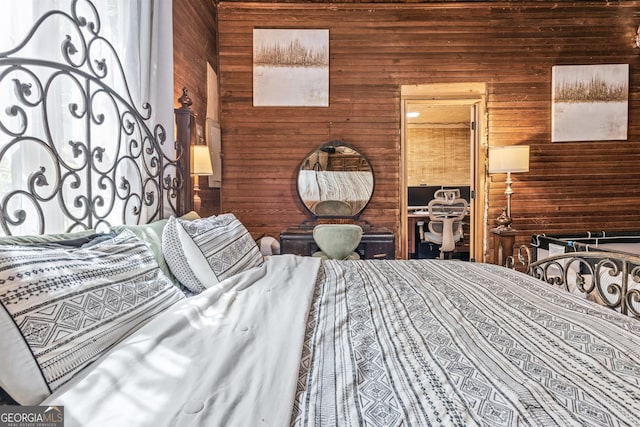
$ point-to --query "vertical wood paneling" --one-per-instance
(195, 44)
(376, 48)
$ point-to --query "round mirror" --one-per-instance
(335, 180)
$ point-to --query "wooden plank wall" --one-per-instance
(194, 44)
(376, 48)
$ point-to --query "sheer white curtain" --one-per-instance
(140, 34)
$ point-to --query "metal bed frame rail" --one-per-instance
(584, 241)
(611, 279)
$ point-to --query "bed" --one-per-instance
(300, 341)
(179, 320)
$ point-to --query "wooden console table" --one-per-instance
(376, 243)
(503, 241)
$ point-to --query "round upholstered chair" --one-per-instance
(337, 241)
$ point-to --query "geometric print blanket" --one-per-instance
(450, 343)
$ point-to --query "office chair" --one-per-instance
(446, 212)
(337, 241)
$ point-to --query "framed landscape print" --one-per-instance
(589, 102)
(290, 67)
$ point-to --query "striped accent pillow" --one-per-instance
(61, 308)
(203, 252)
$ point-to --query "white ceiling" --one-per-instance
(432, 114)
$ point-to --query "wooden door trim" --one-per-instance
(454, 93)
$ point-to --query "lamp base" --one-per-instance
(197, 201)
(504, 220)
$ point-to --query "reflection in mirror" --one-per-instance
(335, 180)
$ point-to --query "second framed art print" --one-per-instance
(589, 102)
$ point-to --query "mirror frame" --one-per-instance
(331, 146)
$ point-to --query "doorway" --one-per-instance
(442, 147)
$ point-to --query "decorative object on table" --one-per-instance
(509, 159)
(200, 166)
(589, 102)
(503, 220)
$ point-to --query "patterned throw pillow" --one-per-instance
(206, 251)
(151, 234)
(62, 308)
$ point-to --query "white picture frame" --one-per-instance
(214, 141)
(589, 102)
(290, 68)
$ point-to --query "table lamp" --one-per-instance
(200, 166)
(510, 159)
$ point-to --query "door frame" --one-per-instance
(448, 94)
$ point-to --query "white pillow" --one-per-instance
(203, 252)
(63, 307)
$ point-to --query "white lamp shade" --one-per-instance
(201, 160)
(513, 158)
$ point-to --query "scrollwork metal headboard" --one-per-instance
(117, 169)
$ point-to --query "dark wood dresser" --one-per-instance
(376, 243)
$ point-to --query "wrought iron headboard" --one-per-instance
(77, 176)
(609, 278)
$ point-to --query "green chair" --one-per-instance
(337, 241)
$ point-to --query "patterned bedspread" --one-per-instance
(448, 343)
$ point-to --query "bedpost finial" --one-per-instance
(184, 100)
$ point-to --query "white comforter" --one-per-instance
(227, 357)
